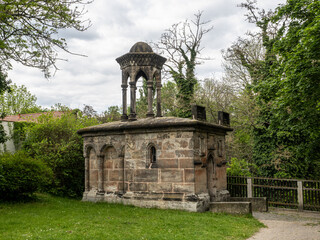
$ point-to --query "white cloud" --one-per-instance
(116, 25)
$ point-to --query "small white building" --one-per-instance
(8, 125)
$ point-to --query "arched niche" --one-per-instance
(92, 169)
(211, 175)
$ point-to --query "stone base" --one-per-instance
(191, 203)
(259, 204)
(220, 196)
(231, 207)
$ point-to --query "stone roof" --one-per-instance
(29, 117)
(141, 47)
(141, 54)
(153, 123)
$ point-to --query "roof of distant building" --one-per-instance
(30, 117)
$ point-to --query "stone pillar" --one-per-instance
(124, 116)
(100, 174)
(132, 115)
(86, 174)
(159, 85)
(150, 98)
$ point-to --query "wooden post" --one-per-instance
(249, 190)
(300, 196)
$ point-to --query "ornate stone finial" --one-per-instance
(140, 61)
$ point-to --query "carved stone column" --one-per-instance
(124, 116)
(132, 116)
(86, 174)
(150, 98)
(159, 85)
(100, 174)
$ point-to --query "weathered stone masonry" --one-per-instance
(189, 165)
(154, 162)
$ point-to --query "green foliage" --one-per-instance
(288, 134)
(169, 102)
(237, 167)
(181, 44)
(18, 101)
(20, 133)
(4, 83)
(56, 142)
(21, 175)
(112, 114)
(142, 101)
(3, 135)
(29, 30)
(57, 218)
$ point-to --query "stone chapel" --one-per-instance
(163, 162)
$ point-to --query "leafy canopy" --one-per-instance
(29, 30)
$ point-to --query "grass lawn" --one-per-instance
(59, 218)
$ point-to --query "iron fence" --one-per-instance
(288, 193)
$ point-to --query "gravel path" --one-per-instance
(288, 225)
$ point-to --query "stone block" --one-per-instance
(118, 163)
(173, 196)
(138, 187)
(183, 143)
(128, 175)
(168, 145)
(171, 175)
(185, 188)
(105, 174)
(184, 153)
(108, 164)
(111, 187)
(259, 204)
(167, 163)
(146, 175)
(167, 154)
(116, 175)
(189, 175)
(123, 186)
(231, 207)
(186, 163)
(93, 175)
(160, 187)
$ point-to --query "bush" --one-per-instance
(55, 141)
(21, 176)
(237, 167)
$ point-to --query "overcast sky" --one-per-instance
(116, 25)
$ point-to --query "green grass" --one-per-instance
(59, 218)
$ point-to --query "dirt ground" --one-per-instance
(288, 225)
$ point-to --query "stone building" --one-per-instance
(163, 162)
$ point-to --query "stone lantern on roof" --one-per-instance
(141, 61)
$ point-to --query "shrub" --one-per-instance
(240, 167)
(55, 141)
(21, 175)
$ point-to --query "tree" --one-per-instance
(112, 114)
(18, 101)
(55, 142)
(181, 44)
(285, 88)
(29, 31)
(295, 112)
(4, 83)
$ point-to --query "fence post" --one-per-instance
(300, 196)
(249, 187)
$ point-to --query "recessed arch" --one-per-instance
(151, 156)
(140, 73)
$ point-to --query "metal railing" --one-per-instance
(288, 193)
